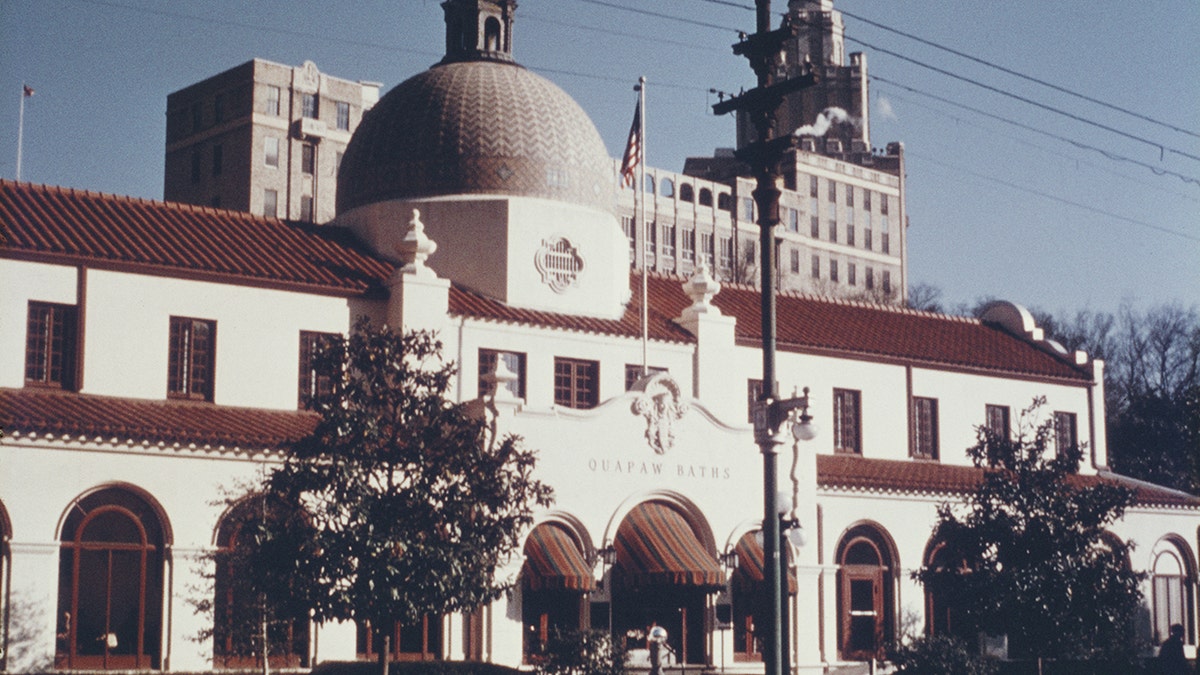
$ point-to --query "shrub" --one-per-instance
(938, 655)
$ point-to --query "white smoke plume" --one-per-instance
(825, 119)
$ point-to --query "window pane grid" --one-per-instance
(575, 383)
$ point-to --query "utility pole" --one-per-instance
(764, 50)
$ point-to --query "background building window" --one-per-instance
(816, 266)
(727, 253)
(668, 241)
(51, 344)
(925, 428)
(870, 278)
(308, 158)
(795, 256)
(190, 363)
(306, 208)
(887, 281)
(343, 115)
(316, 375)
(833, 271)
(687, 245)
(487, 366)
(271, 105)
(576, 383)
(852, 274)
(271, 151)
(310, 106)
(832, 195)
(270, 203)
(847, 421)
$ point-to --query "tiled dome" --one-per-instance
(476, 127)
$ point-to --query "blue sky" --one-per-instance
(1021, 208)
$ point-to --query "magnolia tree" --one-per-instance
(404, 506)
(1026, 554)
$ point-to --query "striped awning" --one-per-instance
(749, 571)
(553, 561)
(656, 547)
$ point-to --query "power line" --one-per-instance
(1107, 154)
(1046, 195)
(659, 15)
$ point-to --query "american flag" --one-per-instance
(28, 91)
(633, 149)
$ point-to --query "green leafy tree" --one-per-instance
(1033, 561)
(405, 505)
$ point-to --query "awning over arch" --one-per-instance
(656, 547)
(749, 571)
(553, 561)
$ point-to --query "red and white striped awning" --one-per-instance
(749, 573)
(554, 561)
(656, 547)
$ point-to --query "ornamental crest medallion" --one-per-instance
(660, 403)
(559, 263)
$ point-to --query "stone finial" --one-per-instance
(701, 288)
(416, 248)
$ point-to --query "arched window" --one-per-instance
(666, 187)
(705, 197)
(237, 612)
(749, 595)
(866, 592)
(686, 193)
(110, 583)
(1173, 589)
(491, 34)
(554, 582)
(943, 613)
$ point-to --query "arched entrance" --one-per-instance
(555, 581)
(663, 575)
(866, 593)
(238, 615)
(110, 583)
(749, 595)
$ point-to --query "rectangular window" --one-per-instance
(308, 158)
(668, 241)
(687, 244)
(271, 151)
(813, 184)
(866, 200)
(271, 105)
(316, 372)
(884, 247)
(816, 266)
(343, 115)
(996, 421)
(793, 220)
(883, 204)
(814, 226)
(925, 428)
(515, 361)
(633, 373)
(850, 233)
(51, 344)
(795, 255)
(831, 218)
(833, 271)
(726, 253)
(270, 203)
(870, 278)
(867, 243)
(310, 106)
(852, 274)
(849, 195)
(832, 196)
(191, 360)
(627, 226)
(218, 160)
(576, 383)
(1065, 431)
(706, 248)
(306, 208)
(747, 210)
(887, 281)
(847, 421)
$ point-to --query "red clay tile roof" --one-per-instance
(808, 324)
(850, 472)
(63, 225)
(137, 421)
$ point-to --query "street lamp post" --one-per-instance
(764, 50)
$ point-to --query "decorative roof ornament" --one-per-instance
(661, 403)
(701, 288)
(416, 248)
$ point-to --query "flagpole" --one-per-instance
(639, 192)
(21, 127)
